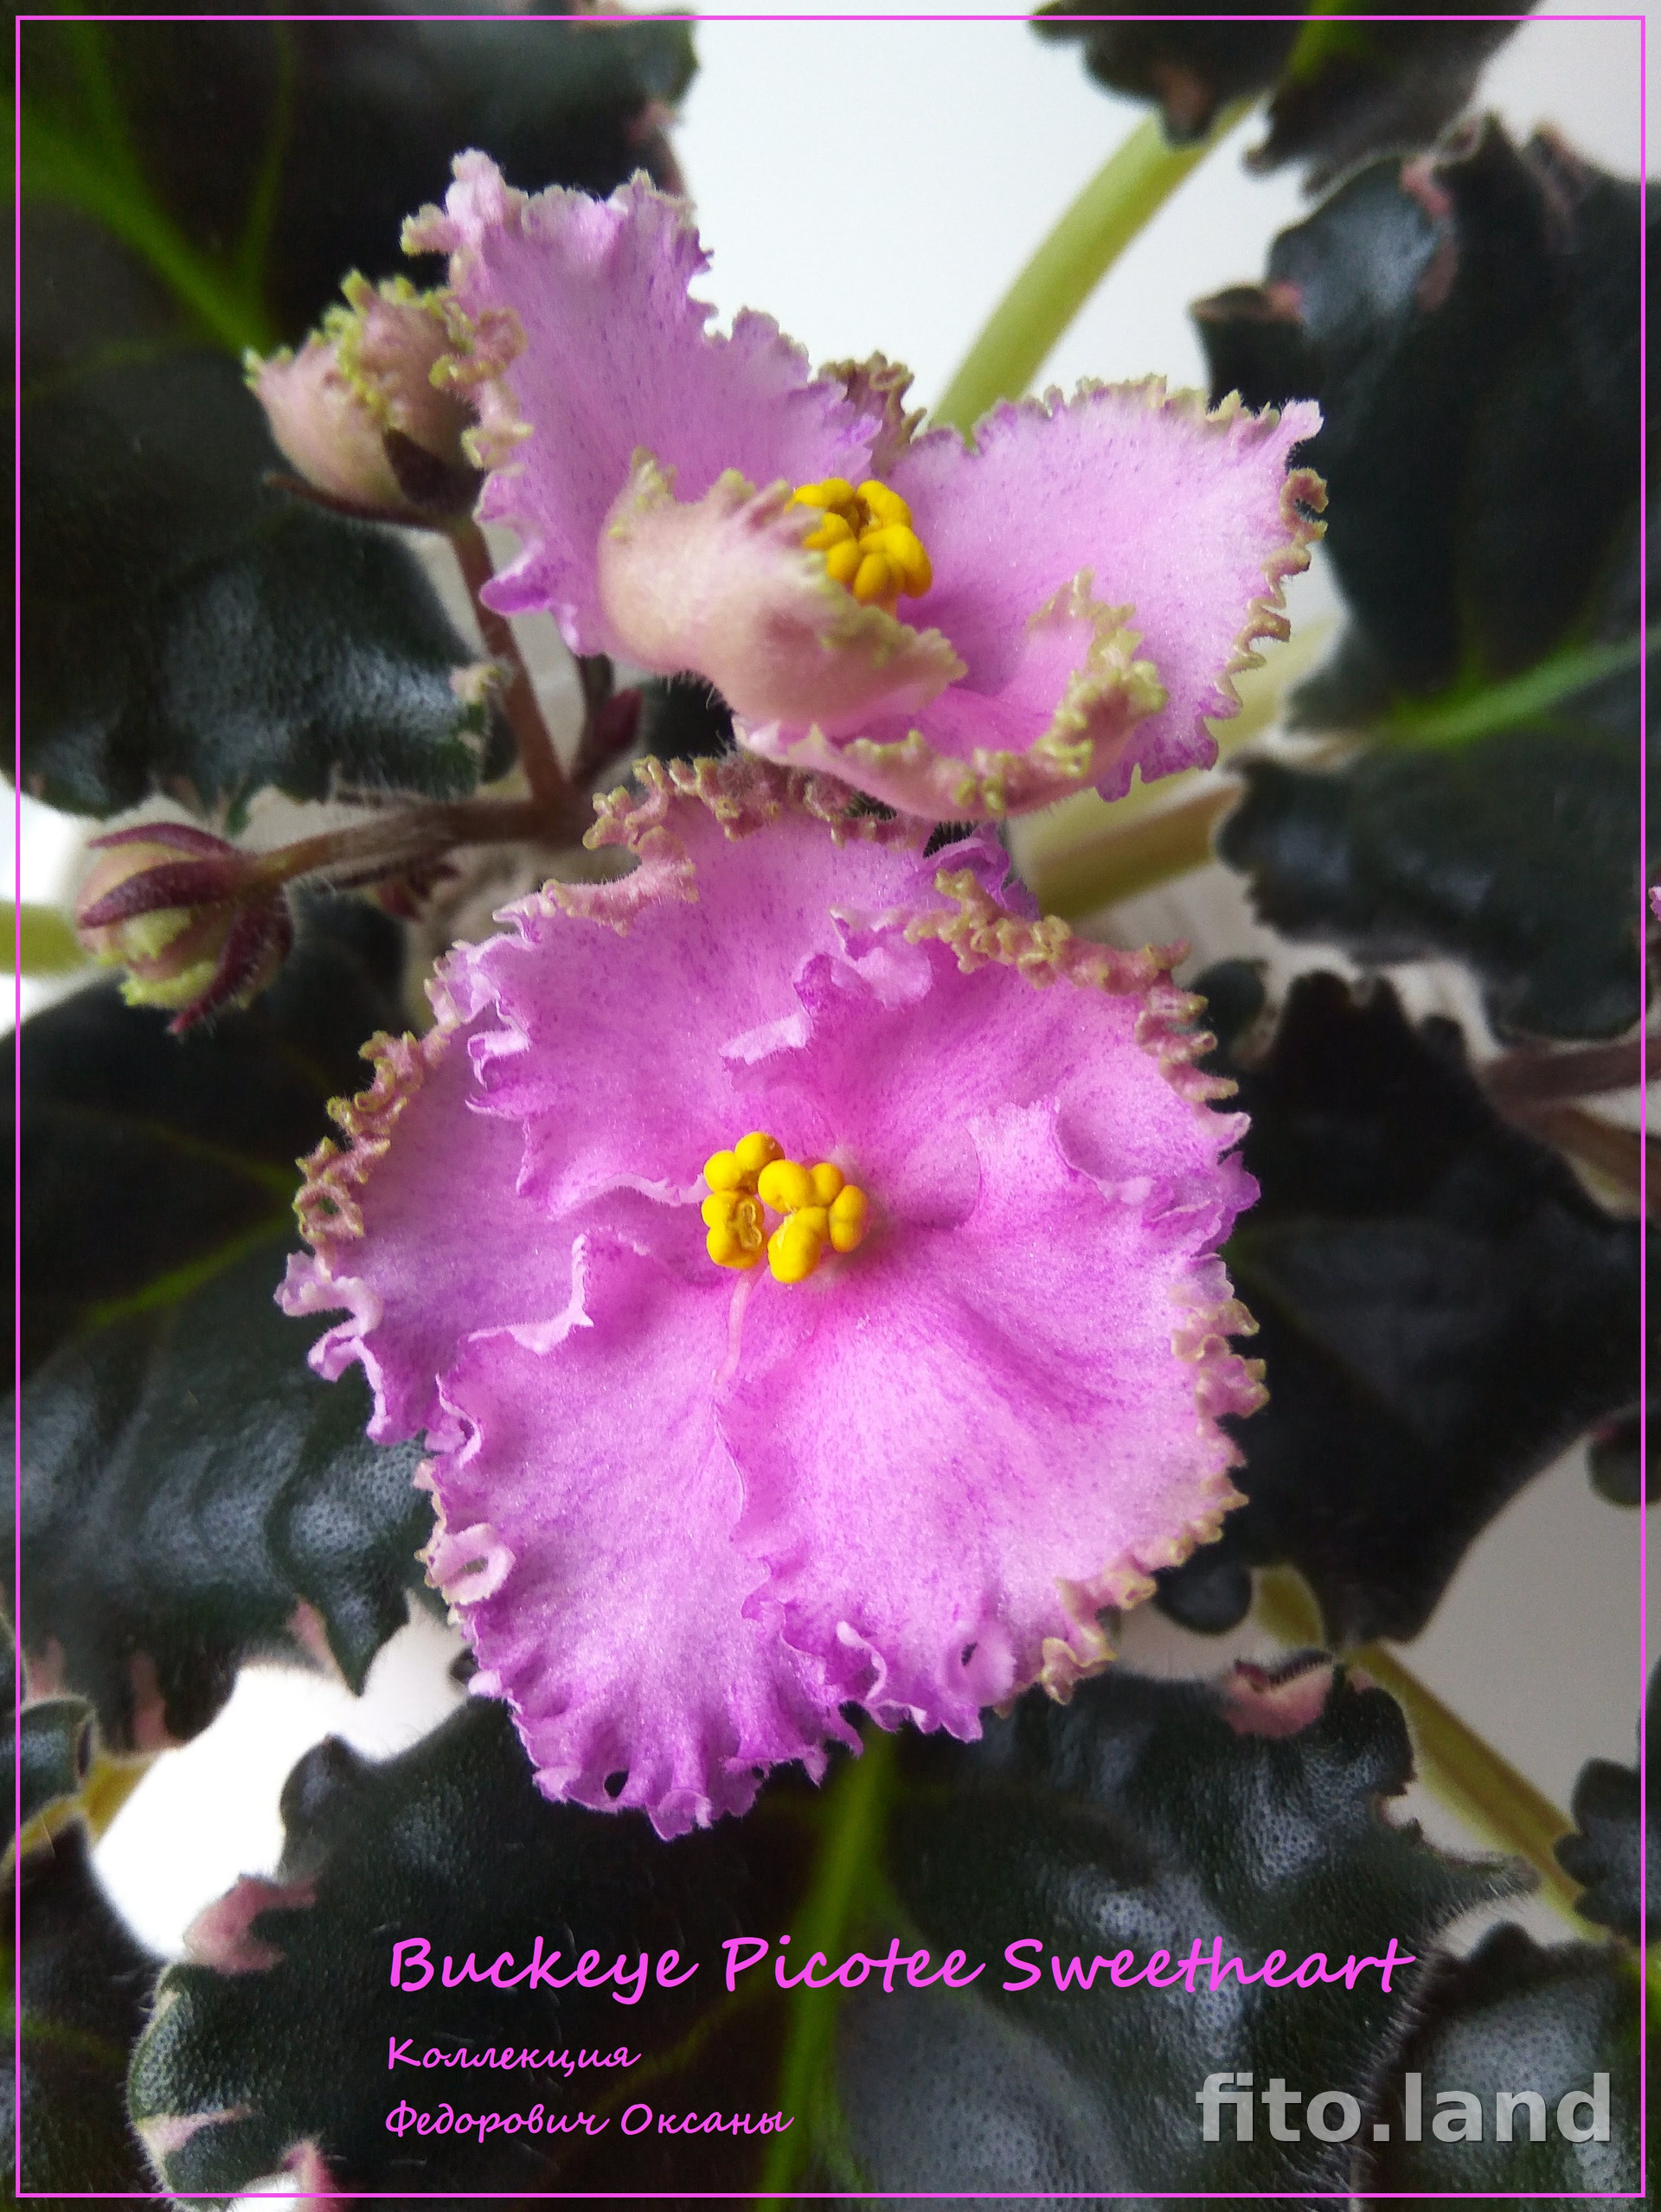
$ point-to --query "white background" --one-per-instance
(876, 185)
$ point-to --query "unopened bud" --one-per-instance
(198, 924)
(357, 414)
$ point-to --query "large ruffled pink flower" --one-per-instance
(1100, 567)
(688, 1511)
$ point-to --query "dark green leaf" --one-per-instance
(187, 1484)
(188, 629)
(1514, 855)
(152, 1162)
(1144, 1816)
(1342, 88)
(45, 1759)
(1470, 328)
(1442, 1308)
(1514, 2017)
(52, 1750)
(1615, 1853)
(252, 164)
(189, 1489)
(84, 1987)
(450, 1842)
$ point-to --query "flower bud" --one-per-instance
(356, 411)
(198, 924)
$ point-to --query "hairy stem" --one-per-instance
(537, 755)
(393, 843)
(1455, 1765)
(43, 941)
(1129, 188)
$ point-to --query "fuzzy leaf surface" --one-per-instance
(286, 2028)
(300, 147)
(151, 1161)
(188, 629)
(186, 1482)
(84, 1986)
(1442, 1310)
(1143, 1816)
(1512, 2016)
(1341, 90)
(1614, 1851)
(1512, 854)
(1470, 324)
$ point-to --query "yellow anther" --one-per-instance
(793, 1249)
(886, 506)
(903, 551)
(753, 1152)
(784, 1185)
(835, 493)
(848, 1211)
(736, 1235)
(832, 531)
(820, 1209)
(874, 581)
(868, 541)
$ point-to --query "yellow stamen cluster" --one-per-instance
(819, 1208)
(868, 541)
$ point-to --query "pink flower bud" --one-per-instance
(198, 924)
(358, 414)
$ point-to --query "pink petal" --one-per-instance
(615, 357)
(396, 1229)
(618, 1632)
(1184, 522)
(617, 1002)
(723, 585)
(971, 1440)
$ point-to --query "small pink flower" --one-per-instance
(357, 414)
(720, 1446)
(960, 631)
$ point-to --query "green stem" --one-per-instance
(43, 941)
(1455, 1765)
(854, 1814)
(1124, 859)
(1129, 188)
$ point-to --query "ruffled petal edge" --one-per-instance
(978, 930)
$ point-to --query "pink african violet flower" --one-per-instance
(686, 1511)
(1100, 567)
